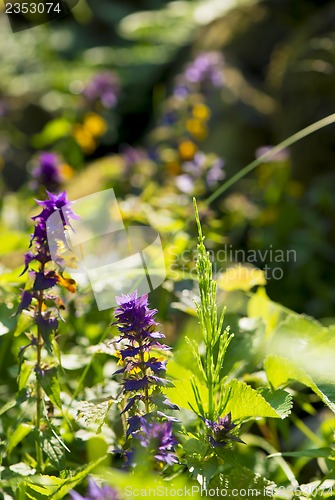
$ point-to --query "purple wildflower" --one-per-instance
(47, 172)
(206, 68)
(44, 279)
(96, 492)
(221, 431)
(158, 439)
(215, 173)
(103, 88)
(143, 373)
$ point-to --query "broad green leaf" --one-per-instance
(245, 402)
(53, 449)
(25, 371)
(94, 414)
(241, 277)
(50, 384)
(280, 400)
(281, 371)
(241, 478)
(182, 394)
(308, 343)
(260, 306)
(21, 431)
(24, 322)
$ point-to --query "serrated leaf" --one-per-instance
(280, 400)
(21, 431)
(53, 449)
(242, 479)
(245, 402)
(182, 394)
(50, 384)
(281, 371)
(94, 413)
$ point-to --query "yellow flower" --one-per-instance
(201, 112)
(95, 125)
(84, 139)
(197, 128)
(187, 150)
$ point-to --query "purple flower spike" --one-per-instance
(157, 437)
(143, 372)
(221, 431)
(96, 492)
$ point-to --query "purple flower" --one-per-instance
(41, 279)
(221, 431)
(103, 88)
(47, 172)
(143, 373)
(157, 438)
(215, 173)
(96, 492)
(277, 157)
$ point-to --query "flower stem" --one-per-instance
(39, 453)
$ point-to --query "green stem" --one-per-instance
(314, 127)
(39, 401)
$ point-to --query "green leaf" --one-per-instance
(25, 371)
(94, 414)
(182, 393)
(21, 431)
(242, 478)
(282, 371)
(245, 402)
(260, 306)
(53, 449)
(280, 400)
(52, 132)
(50, 384)
(314, 453)
(24, 322)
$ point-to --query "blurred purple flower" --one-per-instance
(47, 172)
(215, 173)
(185, 183)
(158, 439)
(133, 156)
(103, 88)
(277, 157)
(95, 492)
(207, 67)
(221, 431)
(3, 108)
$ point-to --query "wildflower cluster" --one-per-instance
(185, 125)
(144, 376)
